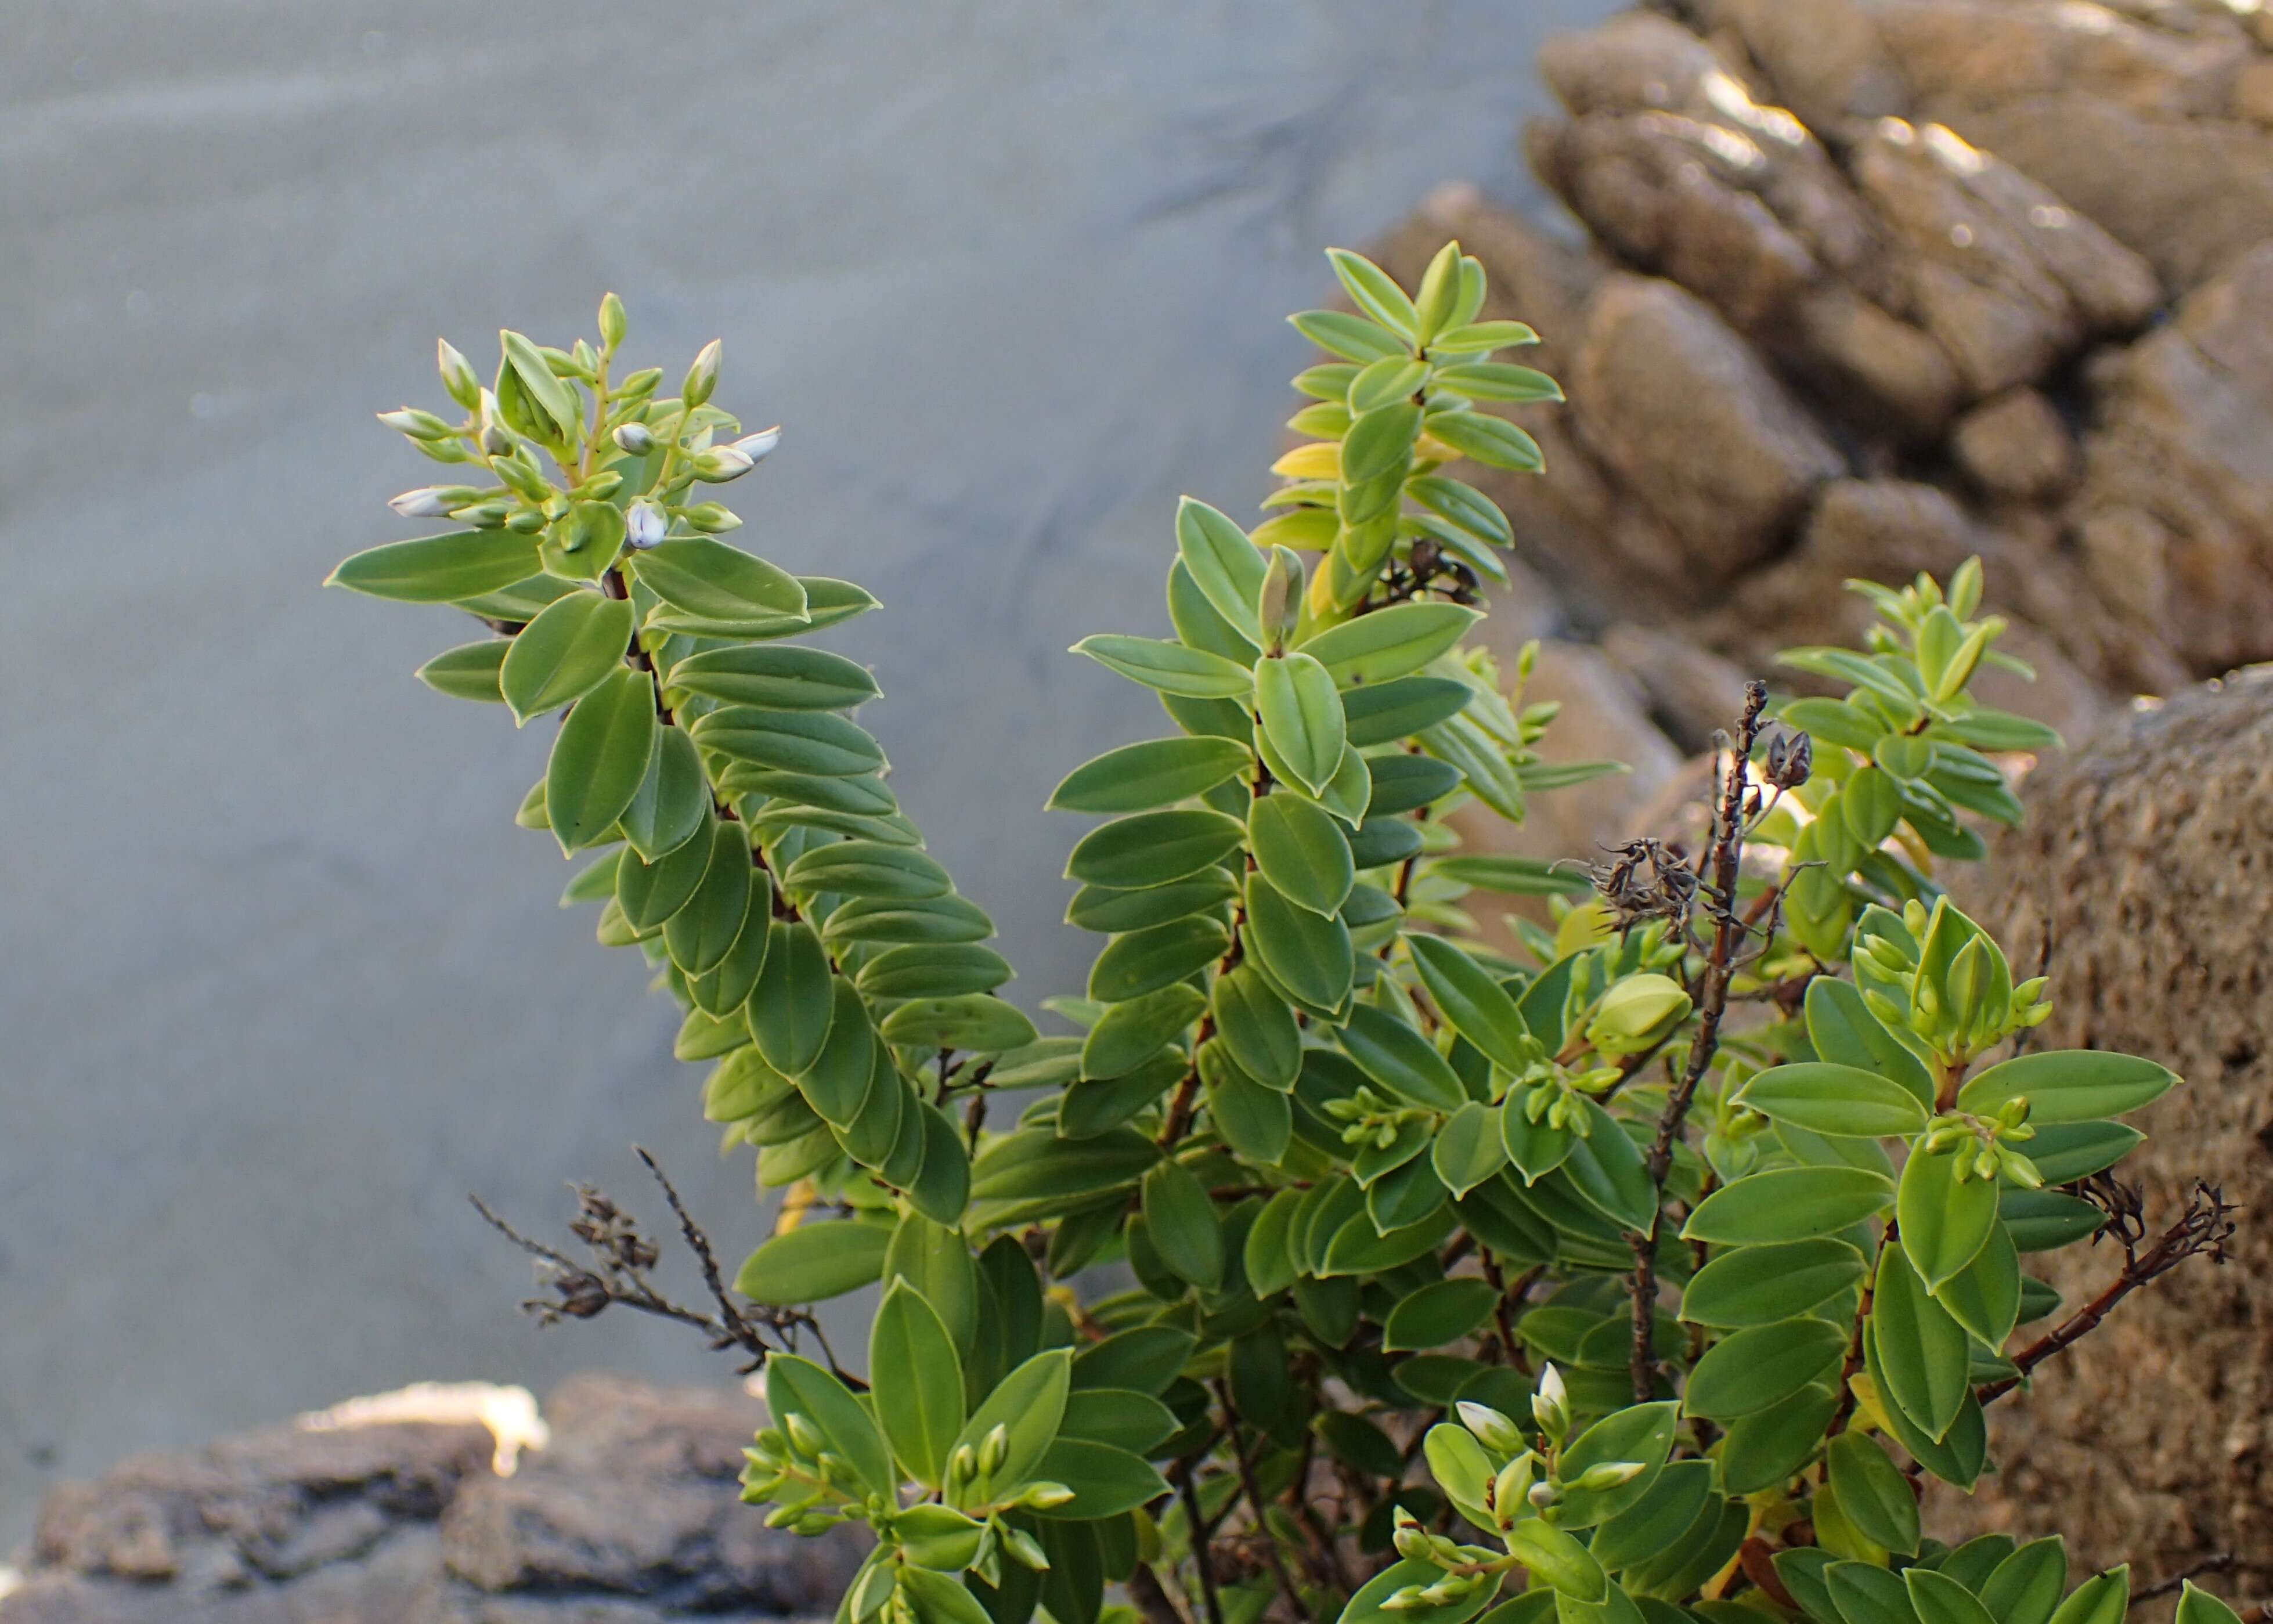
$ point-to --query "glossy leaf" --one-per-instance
(917, 1381)
(599, 758)
(1827, 1098)
(2070, 1085)
(1302, 717)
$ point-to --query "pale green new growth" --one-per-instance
(1644, 1267)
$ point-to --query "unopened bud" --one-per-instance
(458, 379)
(1025, 1549)
(755, 447)
(640, 383)
(1512, 1485)
(703, 377)
(712, 516)
(720, 464)
(525, 520)
(1046, 1496)
(635, 437)
(1543, 1494)
(612, 325)
(1550, 1405)
(426, 502)
(417, 424)
(802, 1436)
(994, 1447)
(1610, 1475)
(1636, 1013)
(1492, 1429)
(644, 524)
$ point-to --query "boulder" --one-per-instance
(2140, 885)
(631, 1514)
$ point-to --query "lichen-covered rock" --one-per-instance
(631, 1515)
(2141, 883)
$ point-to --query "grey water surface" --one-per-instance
(280, 980)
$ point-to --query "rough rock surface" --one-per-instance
(1869, 285)
(2144, 878)
(630, 1516)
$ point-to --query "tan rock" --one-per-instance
(2015, 446)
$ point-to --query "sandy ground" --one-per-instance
(280, 982)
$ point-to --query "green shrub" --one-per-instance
(1636, 1276)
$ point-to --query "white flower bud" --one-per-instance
(635, 437)
(426, 502)
(1492, 1429)
(457, 377)
(1610, 1475)
(755, 447)
(644, 524)
(703, 377)
(720, 464)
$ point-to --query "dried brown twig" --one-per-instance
(616, 1270)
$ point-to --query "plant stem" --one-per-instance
(1729, 931)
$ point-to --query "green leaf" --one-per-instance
(706, 578)
(1839, 1100)
(2067, 1085)
(1388, 643)
(1985, 1296)
(1399, 1060)
(1511, 876)
(819, 744)
(1132, 1031)
(1765, 1447)
(468, 671)
(1379, 715)
(1154, 847)
(1035, 1161)
(937, 919)
(1945, 1223)
(1126, 1419)
(1302, 717)
(1865, 1594)
(1182, 1222)
(1145, 1359)
(1436, 1315)
(2064, 1152)
(565, 653)
(940, 1187)
(1468, 1148)
(1373, 291)
(977, 1022)
(1169, 668)
(918, 1380)
(1562, 1561)
(1605, 1167)
(2103, 1598)
(2026, 1586)
(1353, 337)
(700, 934)
(1255, 1121)
(775, 677)
(792, 1007)
(1105, 1481)
(551, 396)
(1873, 1493)
(1497, 380)
(1638, 1432)
(837, 1082)
(2045, 1220)
(1301, 851)
(1762, 1285)
(672, 802)
(1845, 1032)
(1258, 1027)
(1788, 1203)
(1936, 1598)
(1764, 1366)
(1493, 441)
(2197, 1605)
(1223, 564)
(1479, 1008)
(861, 868)
(1365, 1607)
(599, 758)
(1028, 1406)
(1308, 956)
(1159, 772)
(439, 569)
(1142, 962)
(1920, 1346)
(796, 1387)
(934, 969)
(650, 893)
(813, 1262)
(1387, 379)
(1649, 1524)
(1112, 910)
